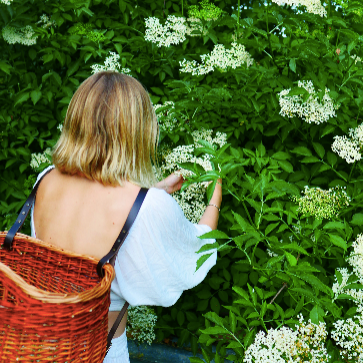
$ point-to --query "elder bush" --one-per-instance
(283, 82)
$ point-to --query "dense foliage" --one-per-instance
(284, 83)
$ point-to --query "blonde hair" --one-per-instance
(110, 132)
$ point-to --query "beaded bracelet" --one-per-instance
(213, 205)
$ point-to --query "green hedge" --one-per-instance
(276, 259)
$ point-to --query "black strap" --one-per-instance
(111, 256)
(8, 241)
(115, 325)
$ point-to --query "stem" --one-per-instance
(182, 7)
(239, 10)
(336, 172)
(278, 293)
(351, 171)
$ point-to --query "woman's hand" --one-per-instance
(171, 184)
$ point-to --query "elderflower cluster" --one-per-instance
(312, 111)
(166, 116)
(206, 11)
(349, 148)
(312, 6)
(284, 345)
(141, 322)
(220, 58)
(111, 64)
(356, 58)
(23, 36)
(348, 334)
(192, 199)
(322, 204)
(6, 2)
(172, 32)
(88, 31)
(46, 22)
(40, 158)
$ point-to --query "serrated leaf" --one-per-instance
(214, 234)
(301, 150)
(270, 228)
(338, 241)
(35, 96)
(292, 259)
(292, 64)
(202, 259)
(319, 149)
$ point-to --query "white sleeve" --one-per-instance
(157, 261)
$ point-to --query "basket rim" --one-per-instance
(53, 297)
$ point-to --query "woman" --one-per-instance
(102, 158)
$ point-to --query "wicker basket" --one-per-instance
(53, 304)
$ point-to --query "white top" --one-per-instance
(157, 261)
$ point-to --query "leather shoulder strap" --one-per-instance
(8, 242)
(111, 256)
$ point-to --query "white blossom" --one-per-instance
(141, 322)
(46, 22)
(312, 6)
(166, 116)
(23, 36)
(356, 58)
(172, 32)
(39, 158)
(347, 149)
(339, 288)
(312, 111)
(192, 199)
(6, 2)
(220, 58)
(111, 64)
(284, 345)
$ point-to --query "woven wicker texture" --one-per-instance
(53, 305)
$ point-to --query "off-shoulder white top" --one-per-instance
(157, 261)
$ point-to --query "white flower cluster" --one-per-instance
(322, 204)
(349, 148)
(23, 36)
(141, 322)
(111, 64)
(284, 345)
(312, 6)
(6, 2)
(39, 158)
(312, 111)
(356, 58)
(191, 200)
(349, 333)
(166, 116)
(46, 22)
(220, 57)
(172, 32)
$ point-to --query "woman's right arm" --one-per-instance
(211, 214)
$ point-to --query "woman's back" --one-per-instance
(81, 215)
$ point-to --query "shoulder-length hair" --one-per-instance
(110, 132)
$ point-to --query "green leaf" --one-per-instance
(202, 259)
(338, 241)
(286, 166)
(357, 219)
(208, 247)
(334, 225)
(270, 228)
(214, 330)
(5, 67)
(214, 234)
(314, 281)
(301, 150)
(241, 292)
(157, 90)
(292, 259)
(319, 149)
(36, 95)
(20, 98)
(292, 64)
